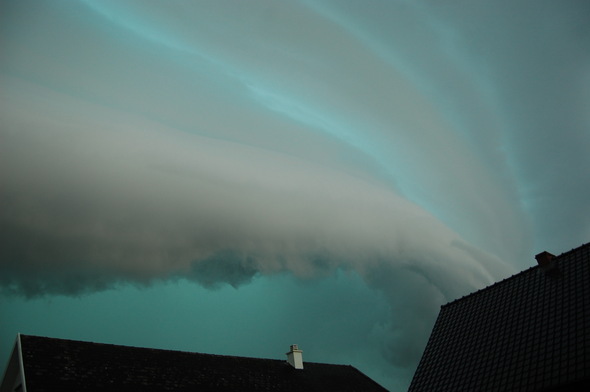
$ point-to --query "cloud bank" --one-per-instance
(428, 149)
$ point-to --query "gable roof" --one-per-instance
(528, 332)
(67, 365)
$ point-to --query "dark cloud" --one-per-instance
(223, 267)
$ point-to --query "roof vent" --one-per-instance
(295, 357)
(545, 260)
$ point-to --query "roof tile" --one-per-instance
(67, 365)
(526, 333)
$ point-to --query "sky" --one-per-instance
(233, 177)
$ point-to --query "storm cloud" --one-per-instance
(429, 149)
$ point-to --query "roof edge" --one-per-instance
(512, 277)
(21, 364)
(182, 351)
(14, 368)
(367, 377)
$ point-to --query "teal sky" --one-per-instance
(234, 177)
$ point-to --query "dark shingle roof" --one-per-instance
(530, 332)
(66, 365)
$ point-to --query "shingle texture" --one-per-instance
(530, 332)
(67, 365)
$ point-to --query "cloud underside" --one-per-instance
(118, 201)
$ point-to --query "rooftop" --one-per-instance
(66, 365)
(528, 333)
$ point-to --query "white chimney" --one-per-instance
(295, 357)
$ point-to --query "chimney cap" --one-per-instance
(295, 357)
(544, 257)
(294, 347)
(545, 260)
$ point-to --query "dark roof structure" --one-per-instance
(530, 332)
(48, 364)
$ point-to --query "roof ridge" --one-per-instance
(147, 348)
(511, 277)
(180, 351)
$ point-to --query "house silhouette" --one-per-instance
(530, 332)
(49, 364)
